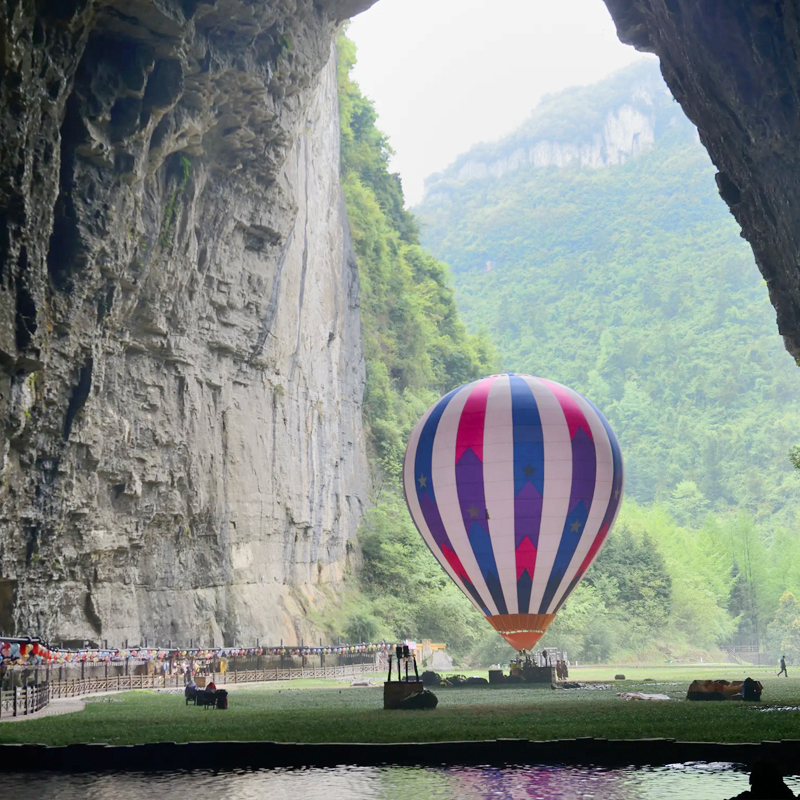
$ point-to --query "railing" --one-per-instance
(121, 683)
(23, 700)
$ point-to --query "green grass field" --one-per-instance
(318, 711)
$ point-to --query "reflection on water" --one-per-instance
(687, 781)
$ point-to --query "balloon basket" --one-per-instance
(395, 692)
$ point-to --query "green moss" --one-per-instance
(164, 239)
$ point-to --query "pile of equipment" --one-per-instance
(748, 689)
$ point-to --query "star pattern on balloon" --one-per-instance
(528, 471)
(423, 481)
(473, 512)
(575, 527)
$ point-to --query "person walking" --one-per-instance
(783, 667)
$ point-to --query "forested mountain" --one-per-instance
(624, 277)
(592, 248)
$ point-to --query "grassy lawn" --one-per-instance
(327, 711)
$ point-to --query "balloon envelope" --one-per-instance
(514, 483)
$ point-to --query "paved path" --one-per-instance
(70, 705)
(55, 709)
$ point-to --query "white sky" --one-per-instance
(446, 74)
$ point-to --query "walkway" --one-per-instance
(54, 709)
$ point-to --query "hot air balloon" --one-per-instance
(514, 483)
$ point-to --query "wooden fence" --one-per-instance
(23, 700)
(28, 699)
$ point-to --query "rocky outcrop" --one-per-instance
(620, 122)
(732, 65)
(182, 453)
(626, 132)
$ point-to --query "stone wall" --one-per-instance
(180, 349)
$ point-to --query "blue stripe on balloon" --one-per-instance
(528, 436)
(423, 462)
(524, 584)
(423, 457)
(469, 485)
(528, 477)
(618, 466)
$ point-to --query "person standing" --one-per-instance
(783, 667)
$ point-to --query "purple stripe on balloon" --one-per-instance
(471, 495)
(472, 500)
(527, 515)
(584, 469)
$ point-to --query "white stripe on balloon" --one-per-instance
(498, 483)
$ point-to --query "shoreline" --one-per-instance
(227, 755)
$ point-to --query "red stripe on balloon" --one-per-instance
(596, 545)
(455, 562)
(526, 557)
(572, 411)
(473, 418)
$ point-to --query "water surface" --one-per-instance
(687, 781)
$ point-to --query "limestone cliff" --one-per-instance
(621, 123)
(732, 65)
(182, 373)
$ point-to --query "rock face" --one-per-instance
(732, 65)
(180, 347)
(626, 132)
(622, 121)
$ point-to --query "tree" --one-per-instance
(784, 631)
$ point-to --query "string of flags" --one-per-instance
(28, 651)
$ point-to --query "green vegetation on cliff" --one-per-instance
(416, 349)
(416, 346)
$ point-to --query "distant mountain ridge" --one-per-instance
(618, 118)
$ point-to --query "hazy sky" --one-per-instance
(445, 74)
